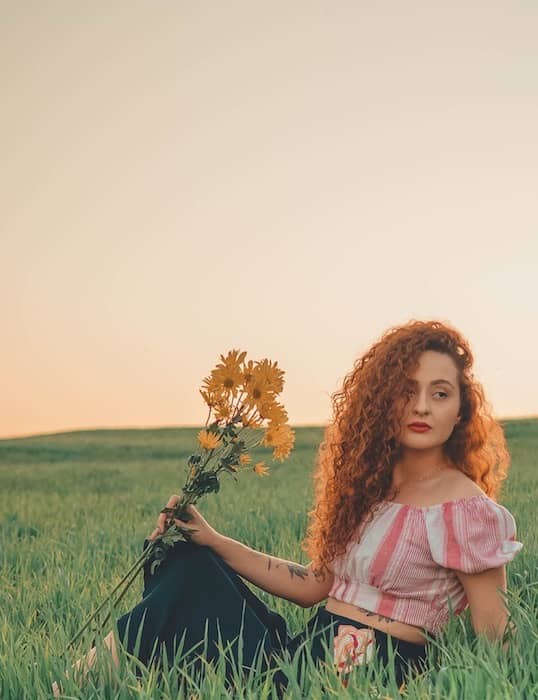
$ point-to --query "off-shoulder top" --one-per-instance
(404, 566)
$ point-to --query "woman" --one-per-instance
(405, 527)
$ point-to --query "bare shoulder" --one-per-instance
(459, 485)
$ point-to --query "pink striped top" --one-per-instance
(405, 565)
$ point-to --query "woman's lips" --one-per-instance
(419, 428)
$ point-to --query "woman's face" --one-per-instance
(434, 399)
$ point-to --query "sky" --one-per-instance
(290, 179)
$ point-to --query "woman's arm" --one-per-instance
(489, 615)
(279, 577)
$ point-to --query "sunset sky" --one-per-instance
(287, 178)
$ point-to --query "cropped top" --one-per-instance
(404, 566)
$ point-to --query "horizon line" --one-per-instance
(184, 425)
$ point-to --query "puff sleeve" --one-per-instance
(471, 534)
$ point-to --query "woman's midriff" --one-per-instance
(401, 630)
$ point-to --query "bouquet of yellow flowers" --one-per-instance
(241, 395)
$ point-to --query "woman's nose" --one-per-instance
(421, 403)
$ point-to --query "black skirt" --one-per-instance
(197, 604)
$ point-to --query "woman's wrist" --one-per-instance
(216, 541)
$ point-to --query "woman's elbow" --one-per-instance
(310, 601)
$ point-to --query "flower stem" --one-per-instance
(136, 566)
(125, 589)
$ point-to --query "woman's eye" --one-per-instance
(410, 393)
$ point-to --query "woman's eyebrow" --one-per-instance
(437, 381)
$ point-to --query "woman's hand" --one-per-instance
(163, 523)
(196, 530)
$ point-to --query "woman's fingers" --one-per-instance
(173, 501)
(181, 523)
(154, 534)
(186, 529)
(161, 522)
(164, 519)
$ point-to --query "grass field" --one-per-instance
(75, 508)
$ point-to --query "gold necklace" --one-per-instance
(420, 478)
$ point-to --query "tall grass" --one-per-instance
(75, 508)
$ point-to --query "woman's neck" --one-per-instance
(420, 465)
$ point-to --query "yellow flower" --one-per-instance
(262, 382)
(193, 472)
(245, 459)
(206, 397)
(250, 421)
(281, 452)
(277, 435)
(260, 469)
(273, 411)
(258, 393)
(270, 374)
(222, 410)
(212, 392)
(248, 372)
(208, 440)
(281, 438)
(228, 374)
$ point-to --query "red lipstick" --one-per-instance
(419, 427)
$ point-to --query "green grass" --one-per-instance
(75, 508)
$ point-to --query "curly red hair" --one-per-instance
(359, 450)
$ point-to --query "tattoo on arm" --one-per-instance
(297, 570)
(294, 569)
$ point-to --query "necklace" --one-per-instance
(421, 478)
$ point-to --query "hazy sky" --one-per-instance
(287, 178)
